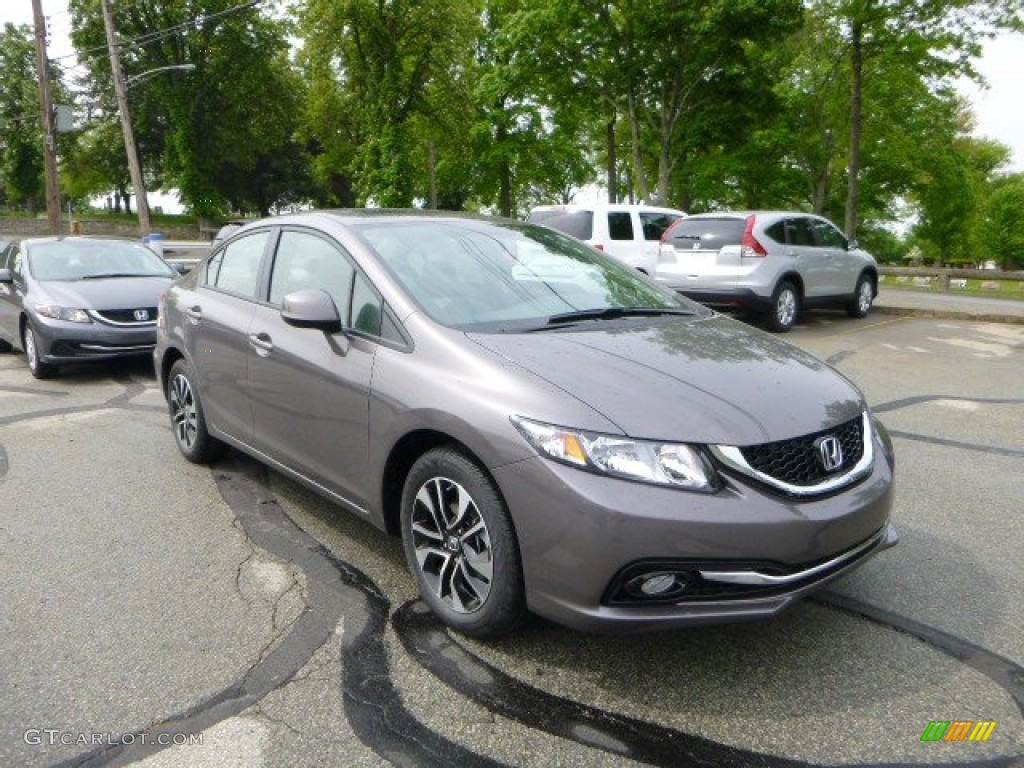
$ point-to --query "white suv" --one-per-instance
(630, 233)
(767, 262)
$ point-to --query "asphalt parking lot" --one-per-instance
(179, 615)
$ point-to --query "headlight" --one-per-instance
(672, 464)
(63, 313)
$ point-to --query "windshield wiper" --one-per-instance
(613, 313)
(118, 274)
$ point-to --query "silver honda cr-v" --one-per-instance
(771, 263)
(545, 428)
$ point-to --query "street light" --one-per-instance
(136, 79)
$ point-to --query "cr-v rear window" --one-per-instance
(706, 233)
(578, 224)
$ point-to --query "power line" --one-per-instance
(151, 37)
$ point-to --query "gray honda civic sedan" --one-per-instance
(75, 299)
(546, 429)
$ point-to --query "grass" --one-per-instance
(1008, 289)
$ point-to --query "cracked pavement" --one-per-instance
(143, 595)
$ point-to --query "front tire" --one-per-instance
(36, 366)
(785, 307)
(188, 422)
(460, 545)
(863, 296)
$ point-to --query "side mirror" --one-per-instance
(852, 245)
(5, 276)
(311, 309)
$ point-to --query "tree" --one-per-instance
(935, 40)
(224, 133)
(383, 64)
(21, 149)
(1002, 222)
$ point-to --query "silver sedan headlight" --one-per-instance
(672, 464)
(63, 313)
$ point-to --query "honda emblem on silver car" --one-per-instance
(141, 314)
(830, 453)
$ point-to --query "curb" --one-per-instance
(946, 314)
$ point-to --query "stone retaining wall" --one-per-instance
(16, 227)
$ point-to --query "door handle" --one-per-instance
(262, 343)
(195, 314)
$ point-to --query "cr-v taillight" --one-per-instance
(751, 248)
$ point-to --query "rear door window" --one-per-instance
(799, 232)
(236, 268)
(826, 235)
(620, 225)
(777, 232)
(654, 224)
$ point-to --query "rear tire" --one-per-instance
(785, 307)
(863, 296)
(460, 545)
(188, 422)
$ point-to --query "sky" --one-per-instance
(998, 108)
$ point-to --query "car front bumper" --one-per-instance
(753, 551)
(58, 341)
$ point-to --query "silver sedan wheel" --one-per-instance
(452, 545)
(865, 297)
(31, 353)
(184, 418)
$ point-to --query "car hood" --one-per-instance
(707, 381)
(108, 293)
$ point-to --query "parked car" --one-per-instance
(73, 299)
(630, 233)
(545, 428)
(771, 263)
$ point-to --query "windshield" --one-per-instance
(483, 276)
(93, 260)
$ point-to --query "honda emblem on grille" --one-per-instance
(141, 314)
(830, 452)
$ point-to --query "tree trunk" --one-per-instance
(856, 125)
(504, 177)
(612, 171)
(639, 177)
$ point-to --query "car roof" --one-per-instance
(79, 239)
(573, 207)
(743, 214)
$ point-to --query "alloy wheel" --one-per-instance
(452, 545)
(183, 411)
(785, 307)
(865, 297)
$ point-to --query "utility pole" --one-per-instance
(134, 168)
(46, 115)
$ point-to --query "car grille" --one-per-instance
(796, 461)
(127, 316)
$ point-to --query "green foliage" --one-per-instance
(1002, 223)
(503, 104)
(21, 143)
(224, 132)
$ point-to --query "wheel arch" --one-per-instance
(790, 277)
(170, 357)
(405, 452)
